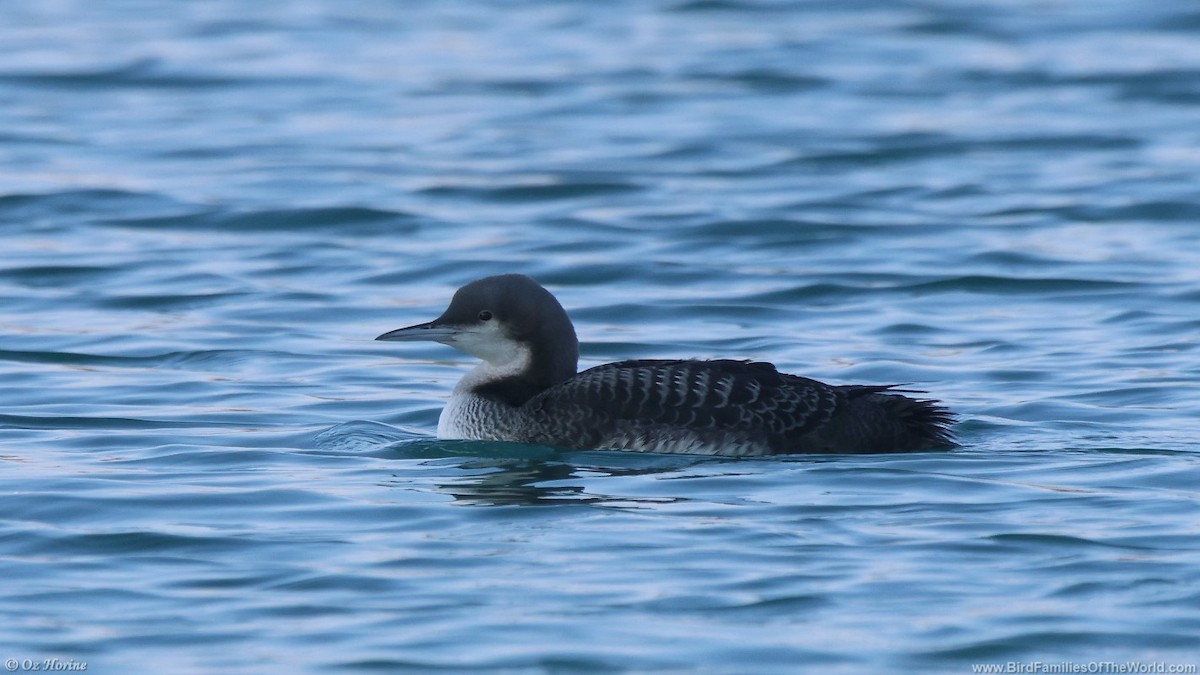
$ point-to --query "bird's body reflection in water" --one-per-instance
(489, 473)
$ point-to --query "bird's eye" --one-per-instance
(485, 315)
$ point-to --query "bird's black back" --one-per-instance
(739, 402)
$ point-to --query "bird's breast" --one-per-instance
(469, 416)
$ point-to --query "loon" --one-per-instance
(527, 390)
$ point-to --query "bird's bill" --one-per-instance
(422, 332)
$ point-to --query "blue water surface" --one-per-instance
(208, 210)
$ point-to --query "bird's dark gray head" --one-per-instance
(510, 322)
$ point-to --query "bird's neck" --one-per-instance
(515, 382)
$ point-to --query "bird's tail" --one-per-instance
(926, 422)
